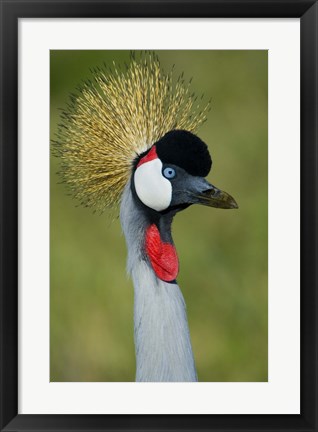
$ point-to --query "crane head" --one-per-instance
(142, 111)
(171, 175)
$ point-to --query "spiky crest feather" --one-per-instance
(115, 117)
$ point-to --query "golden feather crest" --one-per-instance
(116, 116)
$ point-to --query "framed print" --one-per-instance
(117, 120)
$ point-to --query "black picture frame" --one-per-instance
(11, 11)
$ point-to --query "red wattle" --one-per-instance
(152, 154)
(163, 256)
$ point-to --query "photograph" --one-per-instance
(158, 216)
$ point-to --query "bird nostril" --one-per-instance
(209, 192)
(212, 192)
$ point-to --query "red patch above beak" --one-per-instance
(151, 155)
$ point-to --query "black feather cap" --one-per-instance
(186, 150)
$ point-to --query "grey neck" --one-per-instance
(162, 339)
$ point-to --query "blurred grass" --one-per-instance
(223, 254)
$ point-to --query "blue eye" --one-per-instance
(169, 173)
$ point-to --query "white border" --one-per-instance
(282, 393)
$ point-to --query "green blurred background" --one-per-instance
(222, 253)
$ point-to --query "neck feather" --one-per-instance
(162, 339)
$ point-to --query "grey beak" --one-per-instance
(216, 198)
(211, 196)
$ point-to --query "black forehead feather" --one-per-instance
(186, 150)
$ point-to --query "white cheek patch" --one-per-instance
(152, 188)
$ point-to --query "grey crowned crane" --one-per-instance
(128, 138)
